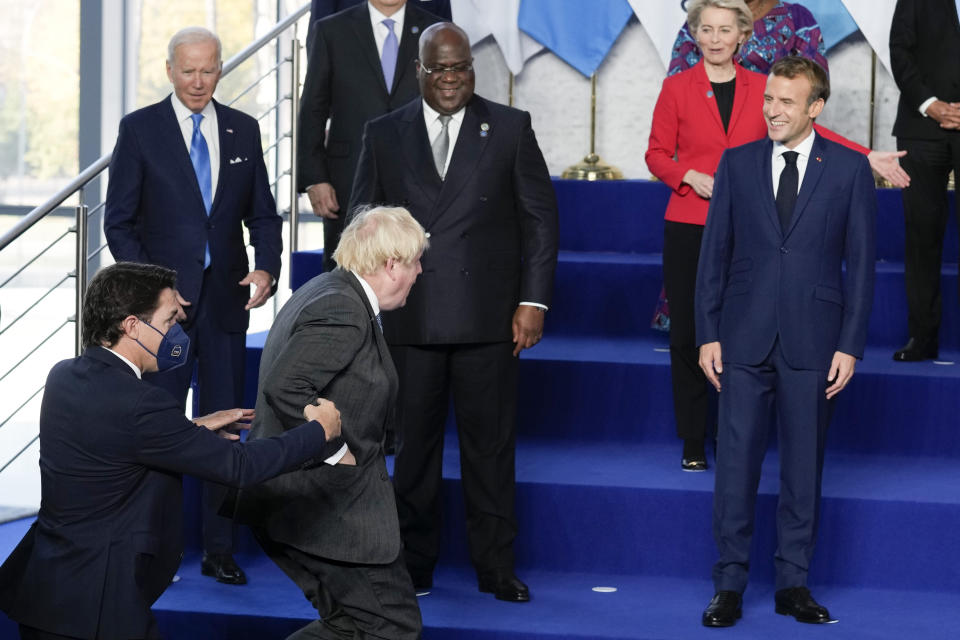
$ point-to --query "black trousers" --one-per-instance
(353, 600)
(332, 229)
(30, 633)
(691, 401)
(925, 209)
(482, 379)
(219, 358)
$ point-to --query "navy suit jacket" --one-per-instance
(107, 540)
(320, 9)
(756, 283)
(155, 213)
(492, 222)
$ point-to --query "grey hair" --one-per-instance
(193, 35)
(739, 7)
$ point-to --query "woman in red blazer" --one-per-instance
(700, 113)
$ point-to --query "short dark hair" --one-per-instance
(793, 66)
(120, 290)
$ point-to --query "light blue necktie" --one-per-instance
(388, 59)
(200, 157)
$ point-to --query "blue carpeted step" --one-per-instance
(629, 509)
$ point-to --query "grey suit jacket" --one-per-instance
(325, 342)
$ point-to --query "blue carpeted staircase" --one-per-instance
(601, 498)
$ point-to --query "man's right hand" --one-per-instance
(711, 363)
(947, 114)
(327, 414)
(323, 199)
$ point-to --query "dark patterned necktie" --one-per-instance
(787, 190)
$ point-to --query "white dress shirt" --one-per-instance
(804, 149)
(210, 131)
(135, 368)
(380, 30)
(434, 127)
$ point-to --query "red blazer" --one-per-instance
(687, 133)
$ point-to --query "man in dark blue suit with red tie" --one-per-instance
(187, 174)
(780, 326)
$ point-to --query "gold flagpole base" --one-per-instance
(592, 169)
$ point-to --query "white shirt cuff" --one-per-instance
(338, 456)
(535, 304)
(926, 105)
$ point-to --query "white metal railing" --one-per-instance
(84, 214)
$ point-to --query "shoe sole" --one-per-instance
(715, 623)
(485, 590)
(786, 612)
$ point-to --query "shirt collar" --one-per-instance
(371, 296)
(183, 113)
(431, 115)
(135, 368)
(804, 148)
(377, 17)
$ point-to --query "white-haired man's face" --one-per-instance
(194, 73)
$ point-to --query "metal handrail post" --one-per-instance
(80, 273)
(294, 141)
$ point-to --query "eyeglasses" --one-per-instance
(456, 70)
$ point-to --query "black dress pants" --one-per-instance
(925, 209)
(483, 381)
(681, 254)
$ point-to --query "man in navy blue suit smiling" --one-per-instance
(187, 173)
(780, 327)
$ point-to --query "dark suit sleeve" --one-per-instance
(903, 59)
(262, 219)
(366, 179)
(860, 260)
(326, 340)
(167, 440)
(123, 198)
(537, 204)
(715, 253)
(314, 111)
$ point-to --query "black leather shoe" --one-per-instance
(504, 586)
(724, 609)
(222, 567)
(693, 465)
(798, 602)
(916, 350)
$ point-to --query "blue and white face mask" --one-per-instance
(173, 349)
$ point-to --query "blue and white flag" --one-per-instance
(580, 33)
(874, 18)
(496, 18)
(834, 20)
(662, 20)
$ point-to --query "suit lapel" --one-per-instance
(171, 136)
(368, 46)
(378, 338)
(416, 149)
(227, 146)
(765, 171)
(471, 143)
(704, 92)
(740, 98)
(811, 176)
(409, 39)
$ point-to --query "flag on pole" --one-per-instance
(834, 20)
(580, 33)
(496, 18)
(662, 21)
(874, 18)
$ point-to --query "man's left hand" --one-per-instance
(841, 370)
(527, 327)
(226, 421)
(263, 288)
(887, 164)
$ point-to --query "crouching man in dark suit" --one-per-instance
(333, 528)
(780, 326)
(106, 542)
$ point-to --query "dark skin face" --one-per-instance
(444, 46)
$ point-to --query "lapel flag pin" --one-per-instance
(819, 159)
(414, 29)
(484, 129)
(709, 94)
(229, 130)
